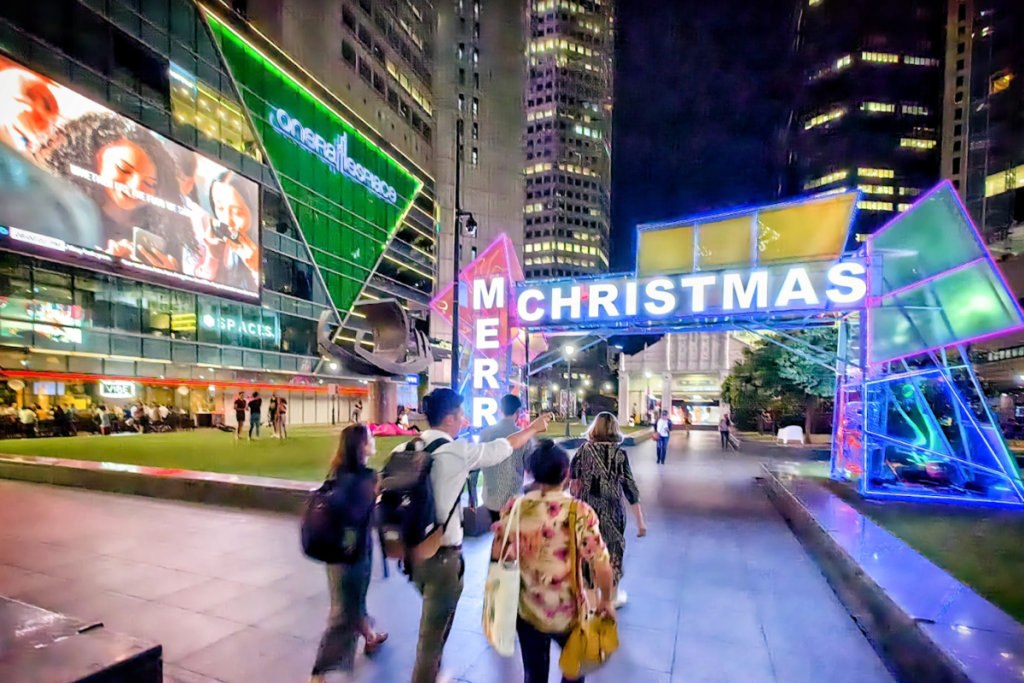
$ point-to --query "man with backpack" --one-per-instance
(437, 574)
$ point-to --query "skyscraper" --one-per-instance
(869, 108)
(568, 101)
(479, 71)
(983, 141)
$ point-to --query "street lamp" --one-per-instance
(607, 386)
(471, 226)
(568, 350)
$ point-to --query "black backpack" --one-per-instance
(336, 520)
(406, 513)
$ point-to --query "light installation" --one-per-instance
(911, 419)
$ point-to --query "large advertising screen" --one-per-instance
(81, 184)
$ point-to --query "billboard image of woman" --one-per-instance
(121, 196)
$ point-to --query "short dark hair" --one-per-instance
(439, 404)
(549, 463)
(510, 405)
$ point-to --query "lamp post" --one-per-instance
(568, 350)
(457, 251)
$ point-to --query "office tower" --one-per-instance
(868, 112)
(983, 141)
(568, 102)
(479, 71)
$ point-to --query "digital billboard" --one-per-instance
(82, 184)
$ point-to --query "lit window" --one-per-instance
(909, 191)
(878, 107)
(476, 156)
(476, 105)
(826, 180)
(529, 248)
(875, 172)
(917, 143)
(875, 206)
(812, 3)
(1000, 83)
(903, 207)
(920, 61)
(914, 110)
(1004, 181)
(462, 103)
(876, 189)
(822, 119)
(880, 57)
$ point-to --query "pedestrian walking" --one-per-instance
(348, 583)
(663, 429)
(600, 476)
(504, 481)
(240, 405)
(550, 521)
(357, 411)
(255, 414)
(439, 578)
(723, 430)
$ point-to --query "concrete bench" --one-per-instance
(38, 646)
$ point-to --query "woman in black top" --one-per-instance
(349, 582)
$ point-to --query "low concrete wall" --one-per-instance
(926, 625)
(275, 495)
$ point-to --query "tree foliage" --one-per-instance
(785, 385)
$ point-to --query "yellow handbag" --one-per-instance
(594, 637)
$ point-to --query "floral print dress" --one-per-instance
(546, 597)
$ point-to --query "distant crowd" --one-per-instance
(277, 415)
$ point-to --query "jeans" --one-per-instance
(439, 581)
(348, 584)
(725, 440)
(662, 448)
(536, 648)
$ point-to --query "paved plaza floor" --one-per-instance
(720, 590)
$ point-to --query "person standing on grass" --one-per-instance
(255, 411)
(504, 481)
(348, 583)
(272, 415)
(282, 417)
(439, 578)
(240, 405)
(663, 429)
(600, 476)
(104, 419)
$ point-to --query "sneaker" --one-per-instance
(620, 599)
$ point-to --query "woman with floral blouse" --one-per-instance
(548, 601)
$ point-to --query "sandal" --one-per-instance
(374, 642)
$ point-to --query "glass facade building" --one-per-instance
(342, 217)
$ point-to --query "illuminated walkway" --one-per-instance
(719, 591)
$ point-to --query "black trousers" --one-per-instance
(536, 648)
(725, 440)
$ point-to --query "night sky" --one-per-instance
(702, 90)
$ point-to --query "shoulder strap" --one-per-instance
(573, 552)
(431, 447)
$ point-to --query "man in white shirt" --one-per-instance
(664, 429)
(439, 579)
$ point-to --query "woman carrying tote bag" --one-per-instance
(549, 597)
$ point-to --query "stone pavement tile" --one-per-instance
(649, 612)
(650, 649)
(42, 557)
(201, 596)
(810, 621)
(251, 607)
(706, 660)
(729, 625)
(175, 674)
(180, 632)
(293, 667)
(15, 580)
(258, 575)
(113, 609)
(156, 582)
(56, 594)
(306, 619)
(234, 658)
(835, 664)
(303, 585)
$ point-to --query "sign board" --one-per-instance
(116, 388)
(414, 380)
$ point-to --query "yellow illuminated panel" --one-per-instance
(723, 244)
(665, 251)
(806, 232)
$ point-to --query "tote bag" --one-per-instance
(501, 592)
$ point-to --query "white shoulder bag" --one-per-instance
(501, 592)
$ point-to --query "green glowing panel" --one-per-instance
(965, 304)
(348, 195)
(929, 238)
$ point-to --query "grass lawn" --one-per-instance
(983, 548)
(303, 456)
